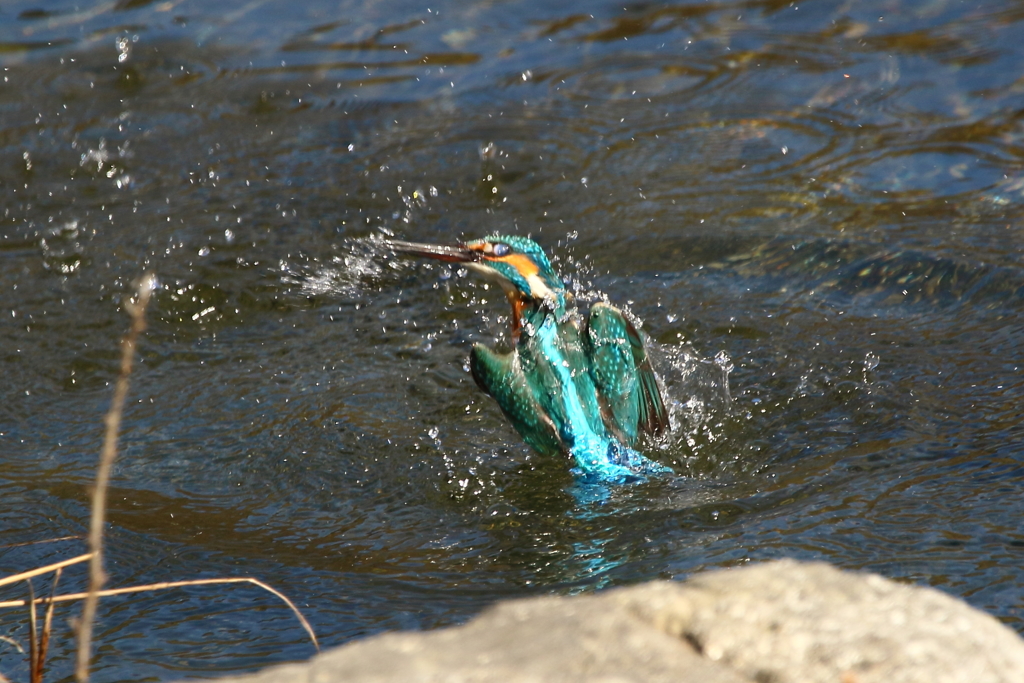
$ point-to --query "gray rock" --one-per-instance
(533, 640)
(779, 622)
(786, 622)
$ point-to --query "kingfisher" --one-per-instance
(581, 389)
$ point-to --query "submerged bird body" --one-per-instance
(586, 391)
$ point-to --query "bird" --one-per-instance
(572, 386)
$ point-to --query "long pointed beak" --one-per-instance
(456, 254)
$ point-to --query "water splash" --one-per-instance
(103, 162)
(696, 393)
(346, 276)
(62, 248)
(124, 48)
(413, 201)
(871, 361)
(695, 388)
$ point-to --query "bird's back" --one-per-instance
(546, 390)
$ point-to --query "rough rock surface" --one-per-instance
(779, 622)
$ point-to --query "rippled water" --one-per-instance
(815, 208)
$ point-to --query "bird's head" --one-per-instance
(518, 264)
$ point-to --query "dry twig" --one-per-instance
(14, 578)
(36, 675)
(33, 636)
(97, 575)
(174, 584)
(12, 641)
(45, 540)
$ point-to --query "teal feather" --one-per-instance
(501, 377)
(623, 375)
(585, 395)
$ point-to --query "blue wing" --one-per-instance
(499, 375)
(623, 374)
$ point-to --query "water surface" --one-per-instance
(815, 208)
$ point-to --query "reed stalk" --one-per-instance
(97, 575)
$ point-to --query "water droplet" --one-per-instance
(124, 47)
(871, 361)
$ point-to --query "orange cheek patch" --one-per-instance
(523, 264)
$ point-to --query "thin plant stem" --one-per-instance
(14, 578)
(97, 575)
(33, 635)
(44, 637)
(176, 584)
(12, 641)
(45, 540)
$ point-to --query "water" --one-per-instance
(814, 208)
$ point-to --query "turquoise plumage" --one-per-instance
(582, 390)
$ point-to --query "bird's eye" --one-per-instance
(501, 249)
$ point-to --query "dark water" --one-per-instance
(819, 201)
